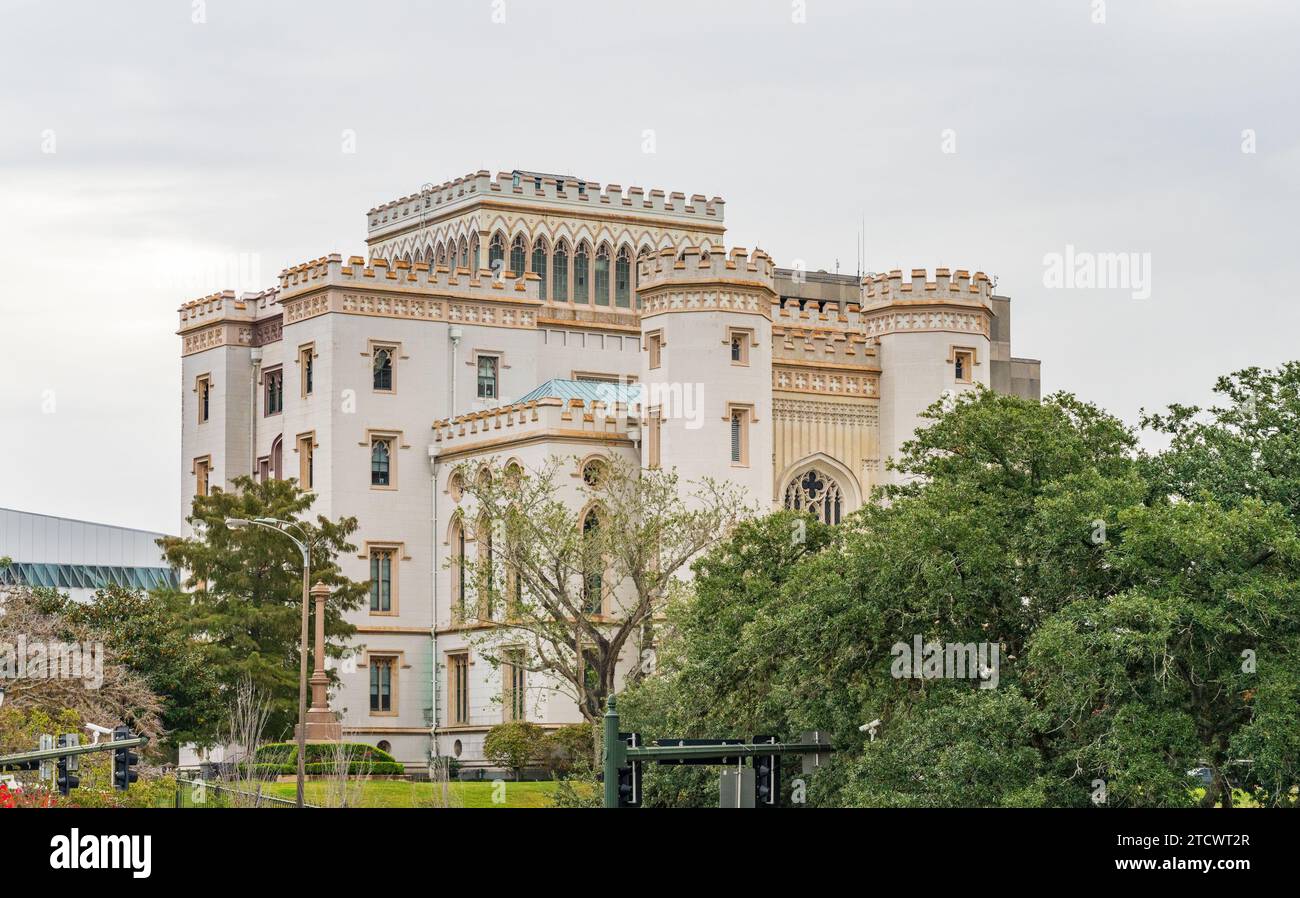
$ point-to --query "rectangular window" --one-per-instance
(458, 687)
(381, 461)
(654, 345)
(513, 685)
(739, 435)
(382, 359)
(487, 377)
(204, 389)
(381, 580)
(963, 361)
(306, 460)
(202, 472)
(306, 368)
(273, 388)
(381, 685)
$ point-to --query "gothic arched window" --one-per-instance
(623, 278)
(518, 256)
(819, 495)
(601, 275)
(580, 273)
(539, 266)
(561, 277)
(592, 577)
(497, 253)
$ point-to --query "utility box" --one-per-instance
(736, 788)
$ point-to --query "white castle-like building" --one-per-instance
(487, 321)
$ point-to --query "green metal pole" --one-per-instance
(611, 754)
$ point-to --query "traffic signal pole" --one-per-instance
(619, 754)
(30, 760)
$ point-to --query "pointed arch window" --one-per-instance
(593, 563)
(518, 257)
(623, 279)
(458, 569)
(601, 275)
(497, 253)
(381, 450)
(816, 493)
(560, 279)
(464, 253)
(539, 266)
(581, 273)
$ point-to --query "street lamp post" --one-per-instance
(278, 526)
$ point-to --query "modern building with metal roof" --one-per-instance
(78, 557)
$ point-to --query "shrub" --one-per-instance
(568, 746)
(322, 753)
(513, 745)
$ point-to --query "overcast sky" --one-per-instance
(144, 156)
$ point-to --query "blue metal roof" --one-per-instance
(589, 391)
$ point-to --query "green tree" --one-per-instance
(514, 745)
(1123, 617)
(245, 588)
(147, 632)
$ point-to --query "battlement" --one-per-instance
(695, 264)
(551, 189)
(226, 306)
(401, 275)
(961, 284)
(549, 413)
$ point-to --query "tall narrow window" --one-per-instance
(381, 452)
(458, 569)
(740, 436)
(601, 275)
(307, 369)
(381, 364)
(487, 574)
(381, 580)
(593, 562)
(539, 266)
(203, 386)
(518, 256)
(273, 386)
(653, 426)
(581, 266)
(202, 473)
(458, 687)
(513, 685)
(381, 685)
(487, 377)
(654, 346)
(623, 279)
(560, 277)
(306, 460)
(464, 253)
(277, 459)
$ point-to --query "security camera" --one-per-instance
(870, 728)
(98, 731)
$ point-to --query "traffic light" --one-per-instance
(123, 760)
(66, 768)
(629, 777)
(767, 776)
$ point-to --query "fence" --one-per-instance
(204, 794)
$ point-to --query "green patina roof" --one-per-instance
(588, 391)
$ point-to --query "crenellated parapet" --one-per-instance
(580, 194)
(331, 270)
(571, 418)
(226, 318)
(697, 280)
(958, 285)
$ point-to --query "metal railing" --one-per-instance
(198, 793)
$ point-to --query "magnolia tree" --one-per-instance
(564, 582)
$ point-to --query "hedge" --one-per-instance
(355, 768)
(322, 753)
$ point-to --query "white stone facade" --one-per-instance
(461, 290)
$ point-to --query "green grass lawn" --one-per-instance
(403, 794)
